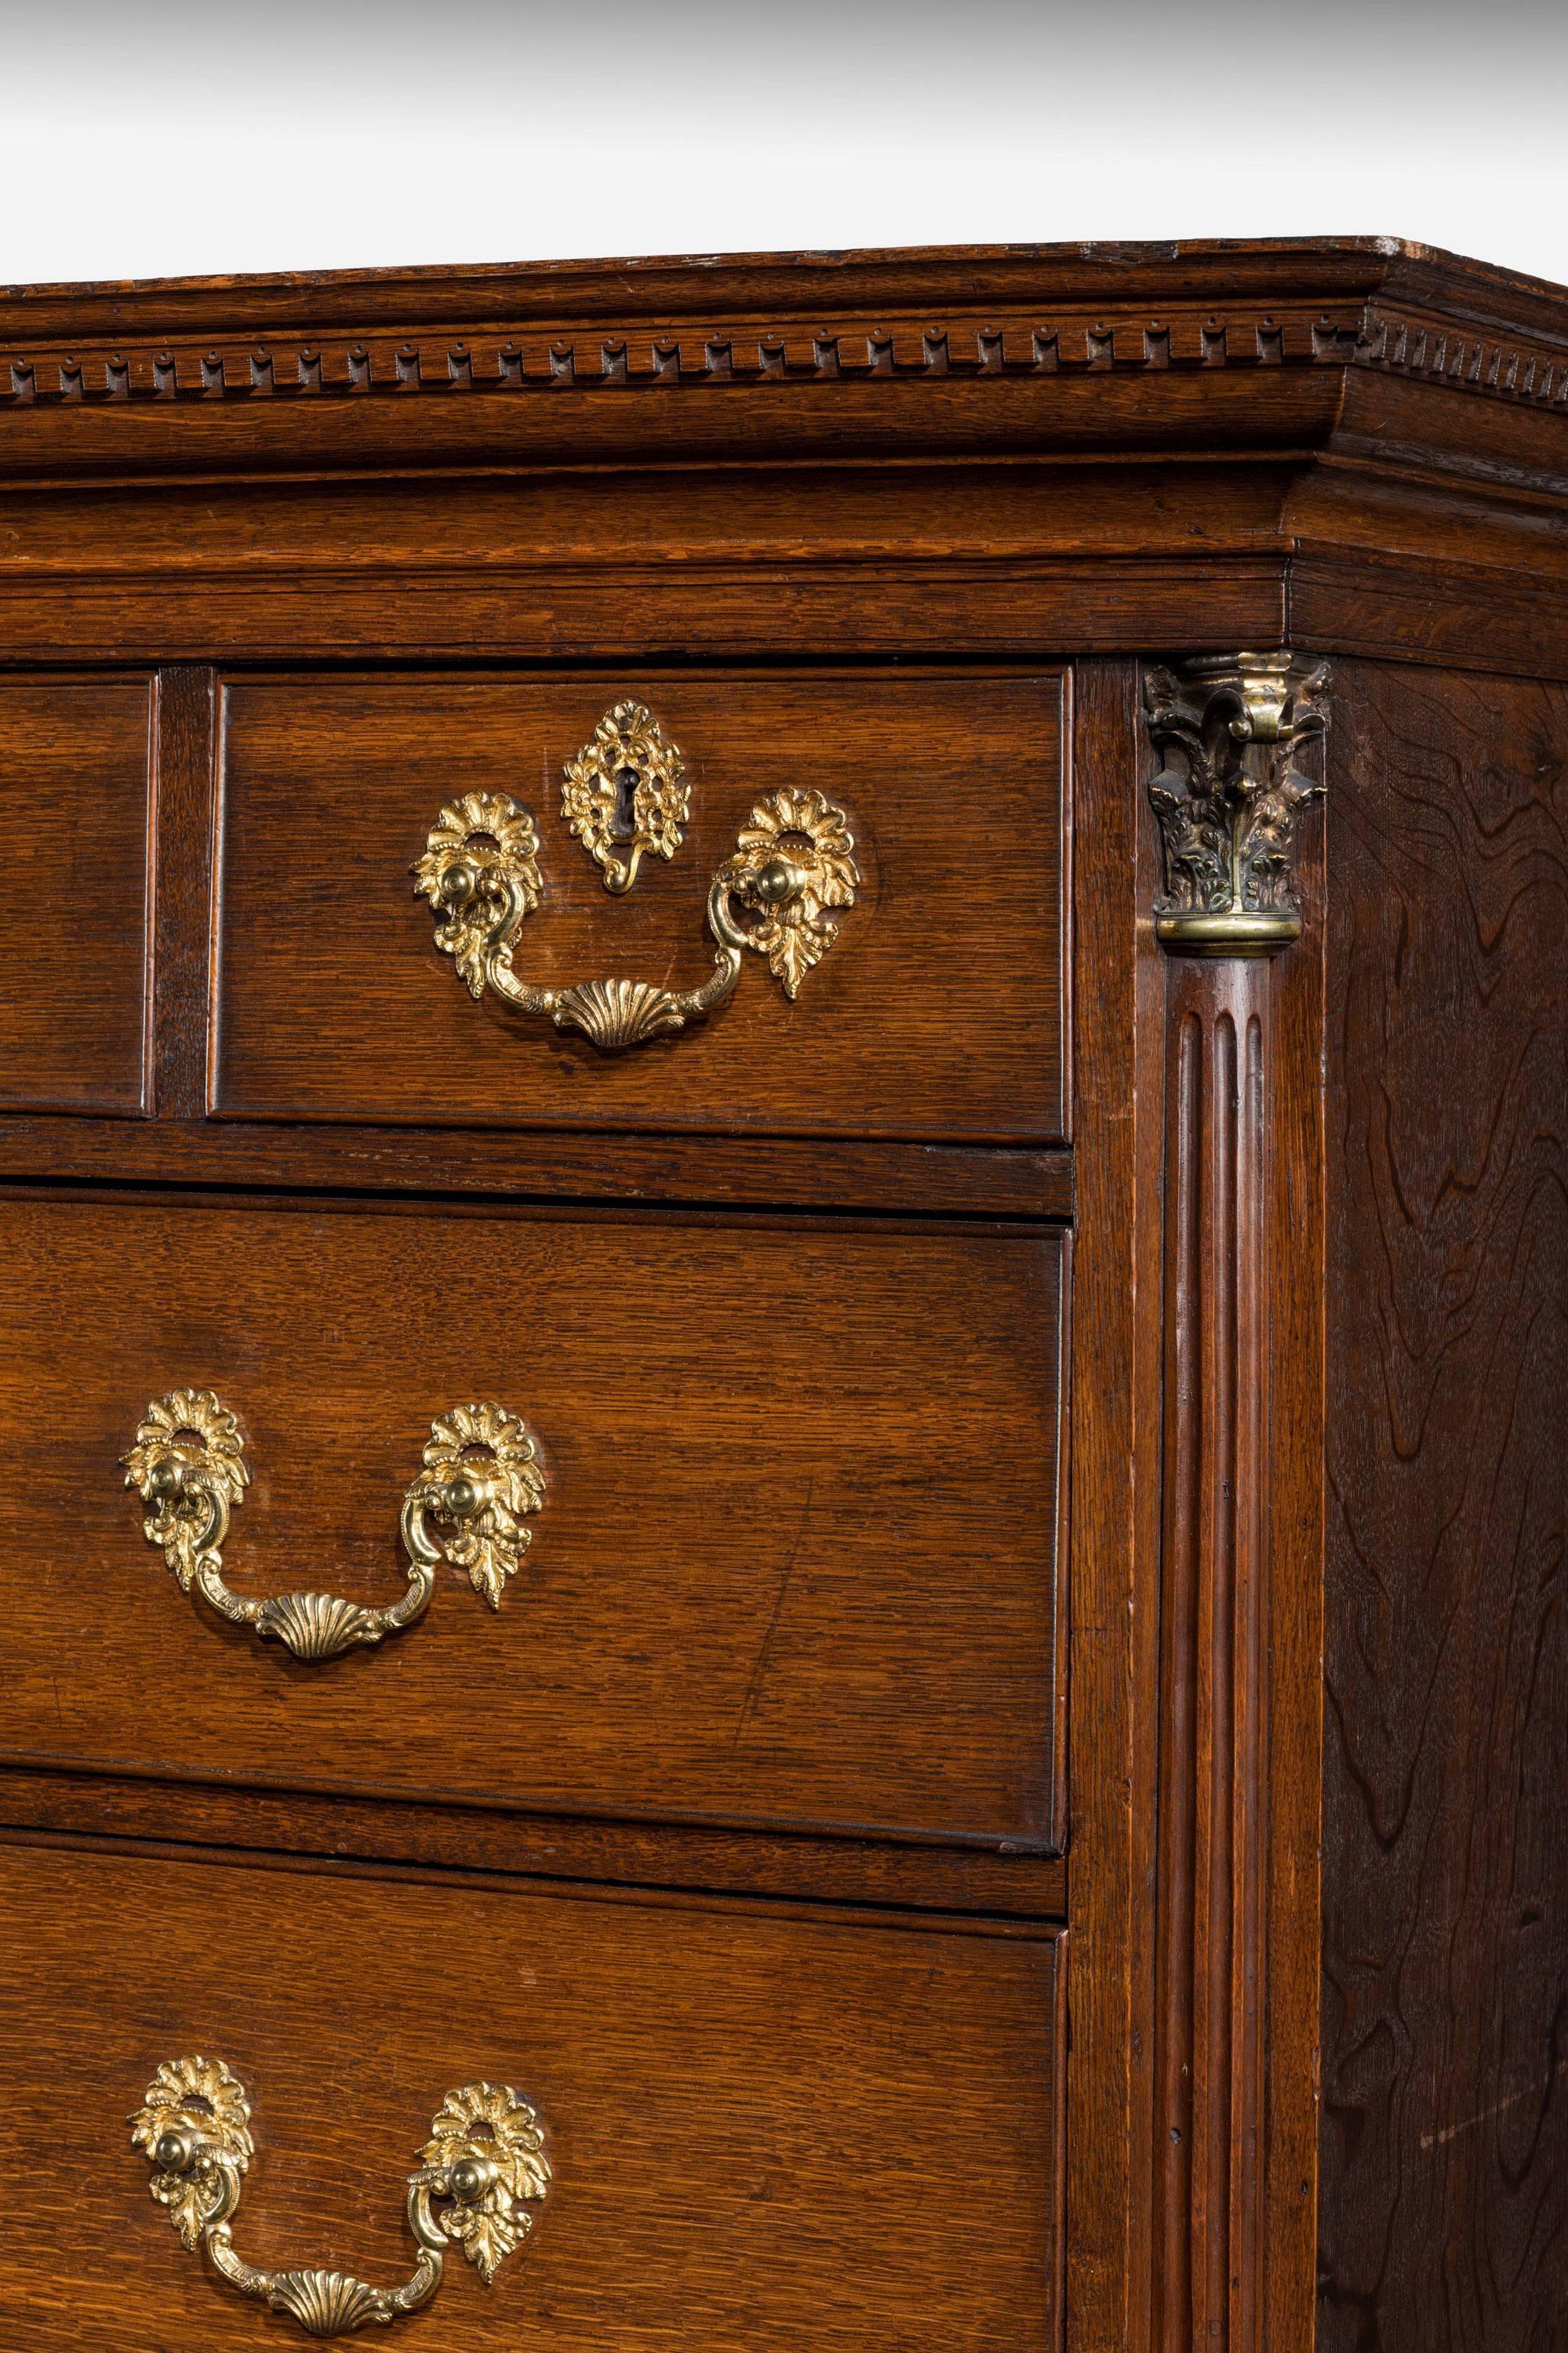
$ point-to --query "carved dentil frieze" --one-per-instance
(347, 363)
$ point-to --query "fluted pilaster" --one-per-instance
(1231, 908)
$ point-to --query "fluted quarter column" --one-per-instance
(1228, 799)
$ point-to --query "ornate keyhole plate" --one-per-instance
(625, 792)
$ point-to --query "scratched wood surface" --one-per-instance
(769, 2128)
(796, 1562)
(937, 1014)
(1444, 2217)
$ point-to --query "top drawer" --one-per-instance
(936, 1015)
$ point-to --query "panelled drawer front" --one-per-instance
(766, 2129)
(937, 1014)
(75, 810)
(795, 1563)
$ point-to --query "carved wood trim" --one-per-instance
(1211, 1938)
(1228, 800)
(687, 353)
(1234, 2036)
(1506, 366)
(607, 356)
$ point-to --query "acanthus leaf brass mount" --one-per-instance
(482, 2167)
(480, 1476)
(791, 874)
(1229, 796)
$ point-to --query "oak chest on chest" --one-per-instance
(781, 1433)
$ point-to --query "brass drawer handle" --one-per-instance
(792, 872)
(479, 1478)
(483, 2161)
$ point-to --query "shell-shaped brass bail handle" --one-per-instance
(482, 2167)
(791, 875)
(479, 1478)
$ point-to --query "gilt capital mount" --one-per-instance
(1229, 796)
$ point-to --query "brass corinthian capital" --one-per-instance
(1228, 796)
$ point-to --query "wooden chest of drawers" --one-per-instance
(782, 1467)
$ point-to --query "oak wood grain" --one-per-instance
(1233, 2133)
(1213, 1976)
(518, 526)
(1353, 442)
(942, 468)
(767, 2126)
(540, 565)
(705, 286)
(175, 1810)
(936, 1015)
(1203, 1811)
(541, 1164)
(74, 806)
(1264, 407)
(1119, 1025)
(878, 606)
(185, 745)
(796, 1566)
(1293, 1696)
(1444, 2215)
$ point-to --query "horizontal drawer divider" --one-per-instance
(955, 1871)
(888, 1911)
(709, 1171)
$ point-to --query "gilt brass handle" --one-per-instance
(483, 2164)
(478, 1477)
(792, 872)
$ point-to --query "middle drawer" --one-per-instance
(795, 1562)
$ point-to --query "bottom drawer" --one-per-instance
(765, 2127)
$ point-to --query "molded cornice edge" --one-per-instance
(979, 317)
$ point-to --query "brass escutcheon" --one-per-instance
(626, 791)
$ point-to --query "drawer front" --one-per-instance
(764, 2130)
(794, 1561)
(937, 1013)
(74, 805)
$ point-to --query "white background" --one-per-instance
(150, 137)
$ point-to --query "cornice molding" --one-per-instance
(1439, 350)
(691, 355)
(345, 366)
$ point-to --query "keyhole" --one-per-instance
(623, 824)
